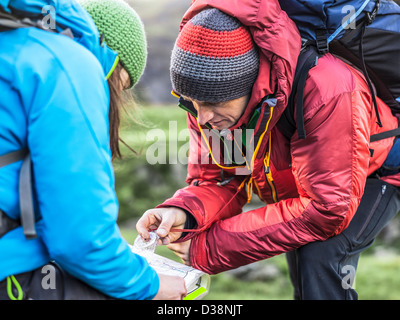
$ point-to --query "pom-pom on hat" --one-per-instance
(214, 58)
(123, 32)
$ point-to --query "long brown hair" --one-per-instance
(119, 101)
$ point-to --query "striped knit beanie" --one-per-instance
(214, 58)
(123, 32)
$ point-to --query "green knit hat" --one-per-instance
(123, 32)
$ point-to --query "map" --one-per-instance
(197, 282)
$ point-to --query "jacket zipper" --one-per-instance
(268, 174)
(371, 213)
(271, 184)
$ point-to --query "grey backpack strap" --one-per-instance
(26, 199)
(25, 189)
(9, 22)
(12, 157)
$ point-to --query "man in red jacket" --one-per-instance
(233, 68)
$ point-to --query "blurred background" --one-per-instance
(141, 185)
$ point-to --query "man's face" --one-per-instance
(221, 115)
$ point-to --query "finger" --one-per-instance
(182, 251)
(176, 247)
(177, 250)
(184, 292)
(170, 238)
(165, 226)
(147, 222)
(165, 241)
(141, 227)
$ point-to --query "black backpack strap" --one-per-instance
(385, 135)
(287, 124)
(310, 62)
(367, 78)
(7, 224)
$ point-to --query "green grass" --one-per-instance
(378, 278)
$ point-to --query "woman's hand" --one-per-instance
(171, 288)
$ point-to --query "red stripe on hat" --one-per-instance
(217, 44)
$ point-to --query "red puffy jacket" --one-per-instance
(312, 187)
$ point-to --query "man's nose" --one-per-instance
(204, 115)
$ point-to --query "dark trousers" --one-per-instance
(325, 270)
(36, 285)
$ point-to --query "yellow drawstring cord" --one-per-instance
(250, 189)
(10, 281)
(268, 155)
(212, 155)
(249, 166)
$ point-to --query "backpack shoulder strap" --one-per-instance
(26, 199)
(289, 122)
(12, 157)
(10, 22)
(25, 189)
(385, 135)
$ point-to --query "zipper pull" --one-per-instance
(225, 182)
(383, 189)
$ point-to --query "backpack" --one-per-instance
(366, 33)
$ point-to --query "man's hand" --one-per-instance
(182, 250)
(162, 220)
(171, 288)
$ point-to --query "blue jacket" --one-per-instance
(54, 99)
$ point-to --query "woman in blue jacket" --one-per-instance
(55, 101)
